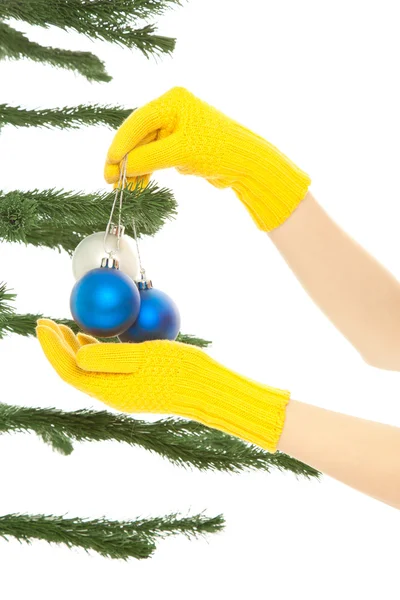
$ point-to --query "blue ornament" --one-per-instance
(158, 318)
(105, 301)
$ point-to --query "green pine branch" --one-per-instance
(112, 539)
(15, 45)
(28, 323)
(84, 16)
(187, 338)
(183, 443)
(6, 296)
(195, 526)
(68, 117)
(13, 323)
(100, 20)
(24, 324)
(61, 219)
(146, 40)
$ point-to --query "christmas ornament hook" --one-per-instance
(112, 228)
(118, 229)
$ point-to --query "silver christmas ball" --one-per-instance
(90, 251)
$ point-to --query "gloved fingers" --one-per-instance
(133, 182)
(112, 172)
(141, 123)
(64, 332)
(110, 358)
(144, 159)
(51, 325)
(69, 337)
(218, 182)
(161, 154)
(84, 338)
(58, 353)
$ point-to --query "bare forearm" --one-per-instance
(362, 454)
(359, 296)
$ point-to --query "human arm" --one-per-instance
(174, 378)
(359, 296)
(363, 454)
(278, 201)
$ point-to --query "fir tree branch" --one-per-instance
(112, 539)
(187, 338)
(102, 20)
(161, 527)
(71, 117)
(183, 443)
(15, 45)
(24, 324)
(6, 296)
(12, 322)
(84, 16)
(147, 41)
(61, 219)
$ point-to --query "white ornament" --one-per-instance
(90, 251)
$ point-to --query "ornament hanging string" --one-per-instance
(120, 190)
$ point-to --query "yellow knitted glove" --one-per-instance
(163, 376)
(180, 130)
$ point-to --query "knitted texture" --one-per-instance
(180, 130)
(163, 376)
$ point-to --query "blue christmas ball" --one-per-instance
(158, 318)
(105, 302)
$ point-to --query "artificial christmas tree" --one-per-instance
(59, 219)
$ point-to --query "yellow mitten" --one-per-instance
(162, 376)
(180, 130)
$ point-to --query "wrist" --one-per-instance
(298, 221)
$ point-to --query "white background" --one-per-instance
(320, 81)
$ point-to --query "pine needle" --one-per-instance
(6, 296)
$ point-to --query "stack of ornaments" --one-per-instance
(112, 296)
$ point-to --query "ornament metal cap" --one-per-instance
(144, 283)
(115, 229)
(109, 262)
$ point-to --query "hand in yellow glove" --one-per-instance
(180, 130)
(162, 376)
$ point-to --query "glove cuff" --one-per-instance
(270, 185)
(225, 400)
